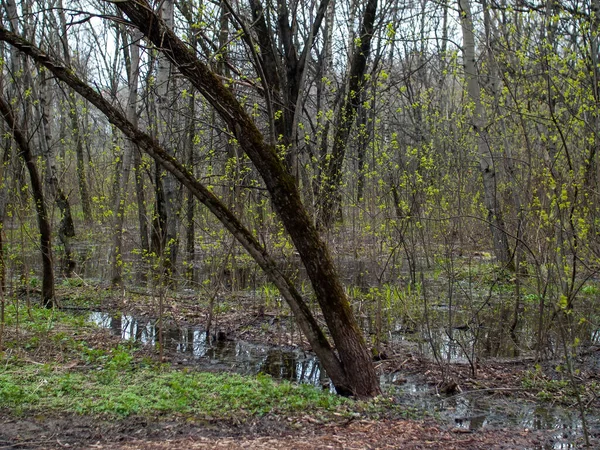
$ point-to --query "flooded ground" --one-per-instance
(450, 319)
(468, 411)
(472, 411)
(191, 346)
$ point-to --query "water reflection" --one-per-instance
(474, 410)
(243, 357)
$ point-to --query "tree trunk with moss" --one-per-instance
(346, 334)
(48, 298)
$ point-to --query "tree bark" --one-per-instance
(118, 208)
(66, 228)
(3, 204)
(486, 162)
(165, 118)
(48, 298)
(332, 174)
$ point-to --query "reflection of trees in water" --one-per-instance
(240, 356)
(293, 366)
(280, 365)
(172, 337)
(186, 342)
(116, 322)
(223, 350)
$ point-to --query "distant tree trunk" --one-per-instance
(190, 237)
(141, 202)
(158, 235)
(492, 83)
(592, 167)
(171, 205)
(365, 130)
(77, 135)
(132, 63)
(17, 65)
(234, 160)
(190, 209)
(3, 204)
(66, 228)
(48, 298)
(330, 194)
(486, 161)
(326, 101)
(592, 175)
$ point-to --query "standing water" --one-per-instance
(191, 344)
(469, 411)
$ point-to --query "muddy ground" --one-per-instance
(276, 432)
(266, 433)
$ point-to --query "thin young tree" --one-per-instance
(20, 136)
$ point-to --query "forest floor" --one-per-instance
(68, 431)
(367, 428)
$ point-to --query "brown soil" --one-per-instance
(266, 433)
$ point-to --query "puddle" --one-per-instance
(470, 411)
(243, 357)
(476, 410)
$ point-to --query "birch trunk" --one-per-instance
(486, 161)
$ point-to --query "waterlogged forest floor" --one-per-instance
(66, 383)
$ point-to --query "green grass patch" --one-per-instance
(38, 319)
(56, 362)
(119, 388)
(74, 376)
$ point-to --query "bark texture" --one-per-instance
(48, 298)
(486, 162)
(332, 176)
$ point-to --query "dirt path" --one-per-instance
(81, 432)
(360, 435)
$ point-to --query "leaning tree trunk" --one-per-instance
(486, 162)
(300, 309)
(285, 196)
(353, 372)
(48, 298)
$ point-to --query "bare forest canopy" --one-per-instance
(331, 144)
